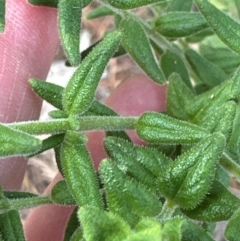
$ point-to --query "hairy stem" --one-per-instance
(107, 123)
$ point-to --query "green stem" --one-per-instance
(22, 203)
(230, 165)
(42, 127)
(107, 123)
(168, 209)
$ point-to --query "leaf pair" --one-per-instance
(127, 197)
(81, 88)
(187, 180)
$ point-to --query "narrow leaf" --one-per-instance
(60, 194)
(191, 231)
(48, 91)
(180, 5)
(172, 229)
(224, 26)
(188, 178)
(77, 235)
(99, 225)
(129, 4)
(180, 24)
(172, 63)
(125, 196)
(199, 178)
(178, 97)
(199, 36)
(2, 15)
(81, 88)
(224, 58)
(13, 142)
(69, 21)
(208, 72)
(47, 3)
(221, 119)
(232, 232)
(218, 205)
(78, 170)
(11, 226)
(100, 11)
(146, 229)
(72, 225)
(139, 48)
(142, 163)
(159, 128)
(48, 143)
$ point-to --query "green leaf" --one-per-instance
(77, 235)
(224, 58)
(139, 48)
(224, 26)
(100, 11)
(180, 24)
(99, 225)
(218, 205)
(125, 196)
(155, 127)
(129, 4)
(78, 170)
(170, 63)
(81, 88)
(50, 92)
(11, 195)
(48, 143)
(11, 226)
(199, 178)
(208, 72)
(199, 36)
(60, 194)
(146, 229)
(187, 180)
(207, 102)
(172, 229)
(72, 225)
(141, 163)
(156, 47)
(69, 21)
(237, 3)
(58, 114)
(233, 144)
(2, 15)
(178, 97)
(232, 232)
(4, 203)
(180, 5)
(221, 119)
(14, 142)
(47, 3)
(191, 231)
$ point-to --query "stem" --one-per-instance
(107, 123)
(42, 127)
(22, 203)
(230, 165)
(168, 209)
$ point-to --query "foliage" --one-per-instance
(154, 192)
